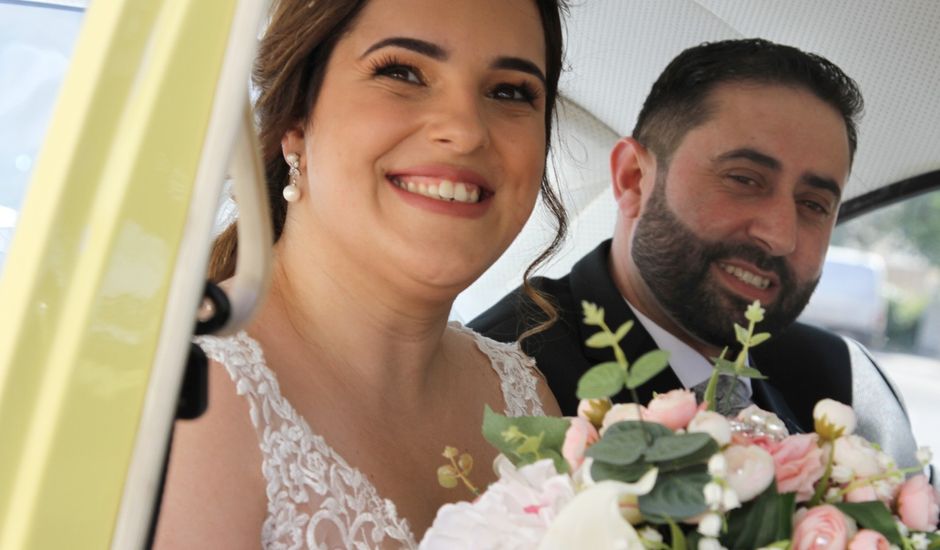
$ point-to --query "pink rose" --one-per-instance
(865, 493)
(673, 409)
(750, 470)
(581, 434)
(918, 505)
(867, 539)
(799, 463)
(821, 528)
(623, 412)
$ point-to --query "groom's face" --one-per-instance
(744, 210)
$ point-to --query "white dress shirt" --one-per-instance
(689, 365)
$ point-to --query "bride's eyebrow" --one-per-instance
(519, 64)
(437, 52)
(422, 47)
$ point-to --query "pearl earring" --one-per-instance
(292, 190)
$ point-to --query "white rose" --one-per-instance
(831, 416)
(594, 518)
(857, 454)
(713, 424)
(750, 470)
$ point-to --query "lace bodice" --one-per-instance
(315, 498)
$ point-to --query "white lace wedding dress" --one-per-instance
(316, 499)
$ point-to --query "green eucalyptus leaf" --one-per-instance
(652, 429)
(647, 366)
(672, 447)
(759, 338)
(551, 430)
(677, 495)
(765, 520)
(628, 474)
(602, 380)
(619, 448)
(622, 330)
(873, 515)
(593, 315)
(723, 365)
(447, 476)
(740, 334)
(600, 340)
(696, 458)
(750, 372)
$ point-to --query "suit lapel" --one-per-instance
(590, 281)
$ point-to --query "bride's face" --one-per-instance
(424, 153)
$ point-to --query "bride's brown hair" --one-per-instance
(288, 74)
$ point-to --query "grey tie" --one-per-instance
(731, 394)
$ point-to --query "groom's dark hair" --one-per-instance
(679, 99)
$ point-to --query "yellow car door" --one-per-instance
(106, 268)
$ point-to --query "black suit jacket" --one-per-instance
(804, 364)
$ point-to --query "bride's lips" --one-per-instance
(443, 189)
(746, 280)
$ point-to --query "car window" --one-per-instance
(36, 40)
(881, 285)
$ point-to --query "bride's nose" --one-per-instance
(459, 123)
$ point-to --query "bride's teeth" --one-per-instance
(446, 190)
(460, 193)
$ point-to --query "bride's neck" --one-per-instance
(361, 328)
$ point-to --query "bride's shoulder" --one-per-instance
(214, 470)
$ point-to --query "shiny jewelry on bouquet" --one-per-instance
(292, 190)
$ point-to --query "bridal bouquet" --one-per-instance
(676, 475)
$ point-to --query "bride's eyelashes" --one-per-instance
(392, 67)
(522, 91)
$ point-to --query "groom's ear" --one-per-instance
(630, 162)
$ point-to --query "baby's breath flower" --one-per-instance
(710, 526)
(713, 493)
(919, 541)
(924, 455)
(886, 489)
(717, 465)
(729, 500)
(901, 527)
(832, 494)
(708, 543)
(651, 534)
(841, 474)
(885, 461)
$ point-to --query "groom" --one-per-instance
(727, 193)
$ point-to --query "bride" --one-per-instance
(405, 145)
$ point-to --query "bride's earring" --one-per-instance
(292, 190)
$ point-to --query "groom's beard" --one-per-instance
(675, 264)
